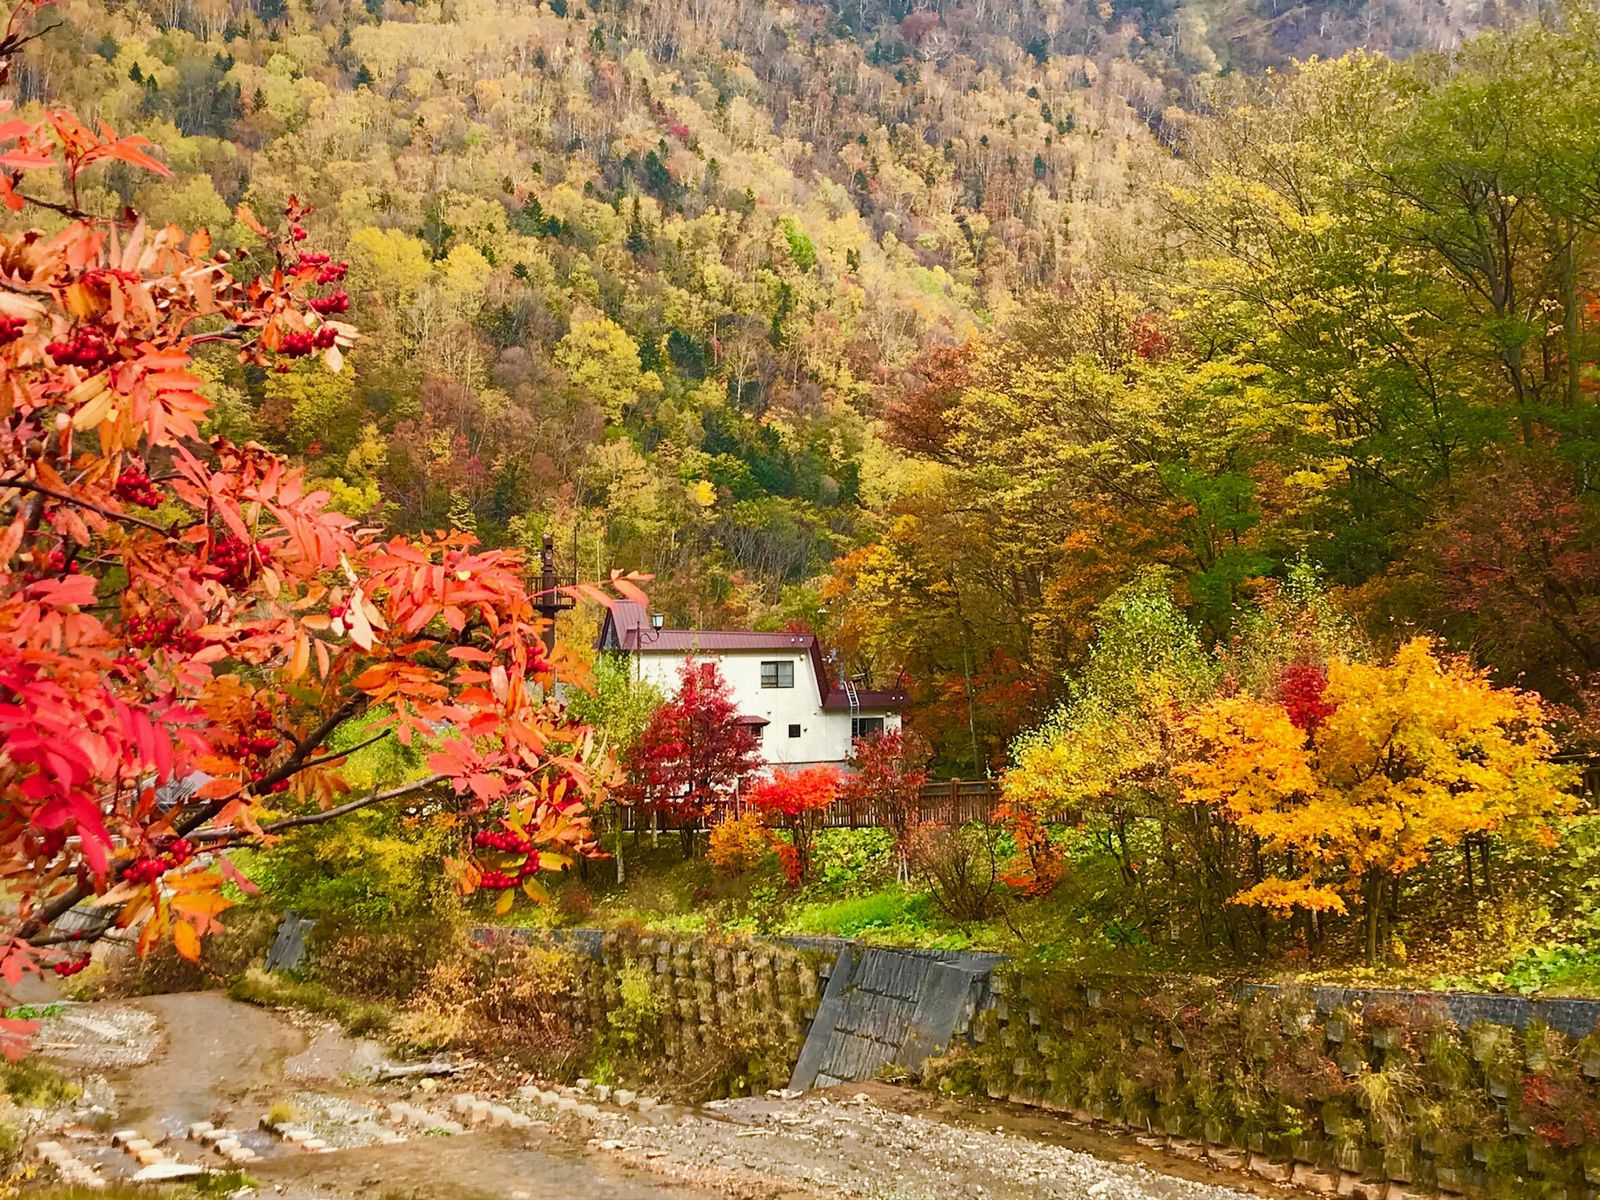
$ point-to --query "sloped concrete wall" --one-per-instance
(887, 1007)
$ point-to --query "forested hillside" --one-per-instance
(949, 320)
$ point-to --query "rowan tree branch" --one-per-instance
(71, 211)
(28, 485)
(362, 745)
(215, 838)
(212, 839)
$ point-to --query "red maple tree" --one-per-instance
(796, 800)
(694, 753)
(174, 607)
(888, 771)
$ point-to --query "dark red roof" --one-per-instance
(627, 627)
(837, 700)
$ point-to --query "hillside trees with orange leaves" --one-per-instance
(176, 608)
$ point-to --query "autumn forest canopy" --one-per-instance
(1166, 395)
(927, 329)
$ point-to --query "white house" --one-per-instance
(777, 680)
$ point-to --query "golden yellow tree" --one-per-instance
(1404, 760)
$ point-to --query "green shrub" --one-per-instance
(957, 1073)
(635, 1014)
(32, 1081)
(848, 861)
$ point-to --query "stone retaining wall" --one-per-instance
(1390, 1096)
(716, 1015)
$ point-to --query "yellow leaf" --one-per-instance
(96, 409)
(503, 905)
(356, 618)
(186, 941)
(301, 658)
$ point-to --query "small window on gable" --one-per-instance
(778, 674)
(794, 731)
(861, 727)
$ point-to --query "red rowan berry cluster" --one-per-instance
(298, 232)
(87, 349)
(338, 626)
(176, 851)
(133, 486)
(234, 561)
(170, 854)
(298, 345)
(11, 328)
(68, 967)
(146, 870)
(256, 748)
(504, 840)
(509, 842)
(331, 272)
(337, 303)
(148, 631)
(55, 565)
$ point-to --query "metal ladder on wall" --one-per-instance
(854, 698)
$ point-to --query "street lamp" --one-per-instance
(657, 621)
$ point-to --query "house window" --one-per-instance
(861, 727)
(777, 674)
(794, 731)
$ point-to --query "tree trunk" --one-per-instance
(622, 874)
(1374, 913)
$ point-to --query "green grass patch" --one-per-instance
(34, 1082)
(359, 1017)
(890, 912)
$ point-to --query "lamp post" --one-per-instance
(549, 602)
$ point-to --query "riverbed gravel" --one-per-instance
(180, 1059)
(851, 1146)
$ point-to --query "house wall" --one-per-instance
(824, 736)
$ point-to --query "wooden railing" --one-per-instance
(944, 802)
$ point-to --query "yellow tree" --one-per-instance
(1403, 760)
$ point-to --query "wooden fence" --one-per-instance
(958, 801)
(944, 802)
